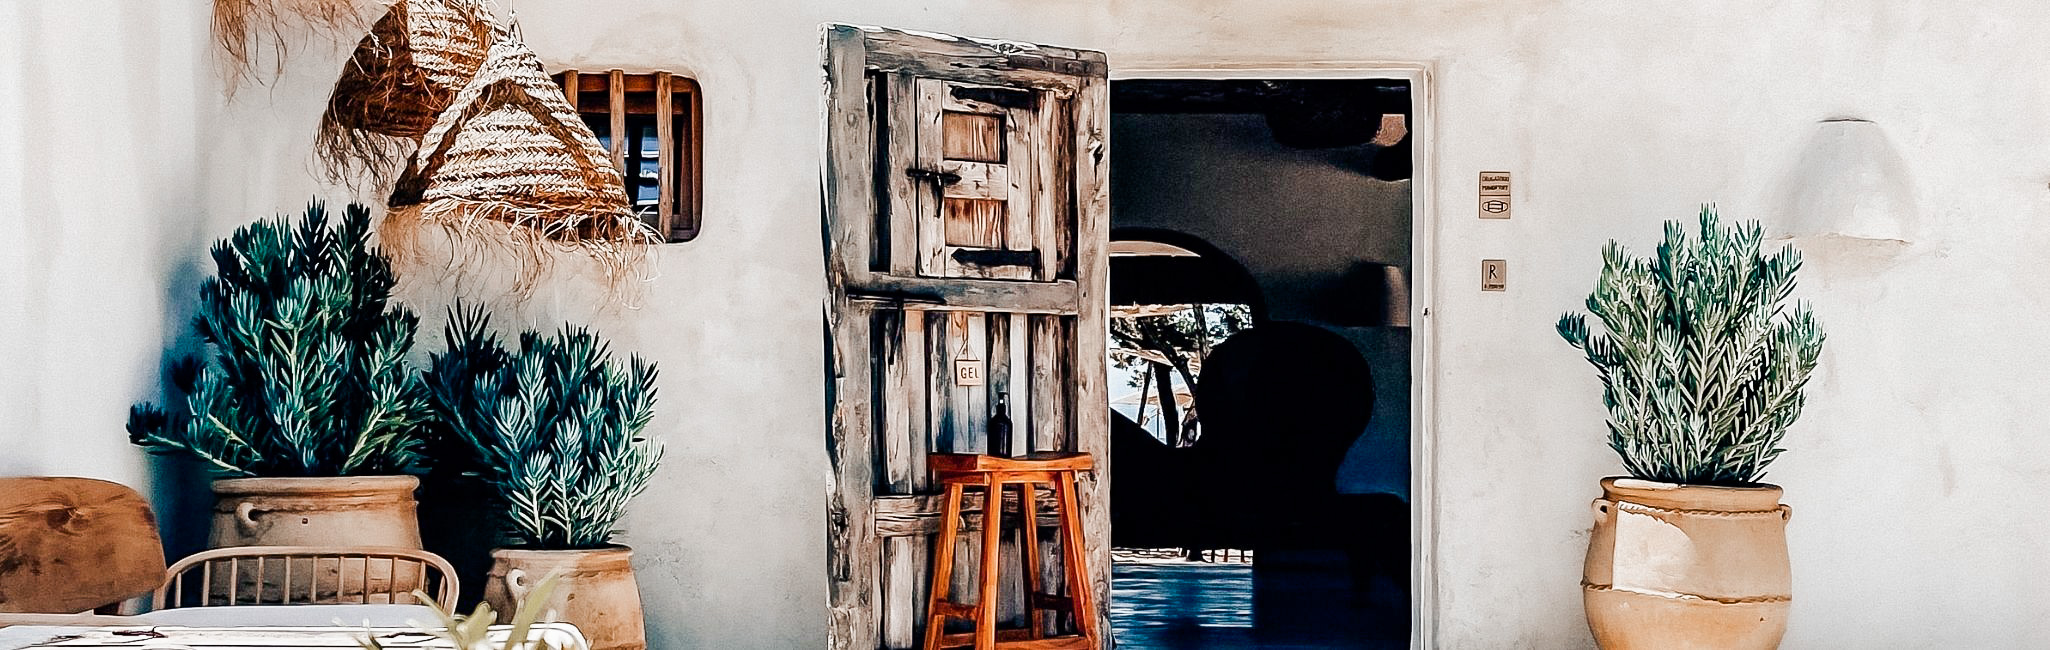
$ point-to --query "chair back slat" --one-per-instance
(288, 575)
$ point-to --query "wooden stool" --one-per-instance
(958, 472)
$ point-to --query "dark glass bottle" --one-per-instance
(1000, 427)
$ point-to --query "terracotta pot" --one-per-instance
(353, 511)
(596, 591)
(1678, 567)
(341, 511)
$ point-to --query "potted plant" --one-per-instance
(302, 401)
(1703, 361)
(555, 430)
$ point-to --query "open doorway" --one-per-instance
(1260, 362)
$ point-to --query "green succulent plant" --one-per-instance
(305, 371)
(554, 427)
(1702, 358)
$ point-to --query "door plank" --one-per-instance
(903, 355)
(1091, 333)
(974, 223)
(1050, 427)
(1018, 332)
(927, 134)
(968, 337)
(849, 209)
(906, 196)
(1047, 186)
(972, 137)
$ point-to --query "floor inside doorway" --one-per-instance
(1161, 603)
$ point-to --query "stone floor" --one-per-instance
(1180, 605)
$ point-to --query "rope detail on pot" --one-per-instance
(1781, 511)
(1741, 600)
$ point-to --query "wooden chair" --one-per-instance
(958, 472)
(70, 545)
(306, 575)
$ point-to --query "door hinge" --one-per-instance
(896, 297)
(943, 178)
(996, 257)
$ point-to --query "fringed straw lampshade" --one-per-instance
(401, 77)
(241, 27)
(511, 161)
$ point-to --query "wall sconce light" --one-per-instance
(1850, 184)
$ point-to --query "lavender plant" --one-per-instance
(1702, 358)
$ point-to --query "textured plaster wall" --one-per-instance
(1913, 475)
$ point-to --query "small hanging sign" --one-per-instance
(968, 372)
(1494, 195)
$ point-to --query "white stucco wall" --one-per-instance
(1913, 476)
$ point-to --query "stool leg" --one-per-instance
(1028, 549)
(992, 550)
(1075, 563)
(942, 567)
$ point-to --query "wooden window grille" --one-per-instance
(661, 156)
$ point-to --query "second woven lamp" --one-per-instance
(511, 161)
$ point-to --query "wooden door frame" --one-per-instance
(848, 187)
(1424, 224)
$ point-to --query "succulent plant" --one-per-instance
(305, 369)
(1702, 358)
(554, 427)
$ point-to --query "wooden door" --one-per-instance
(966, 216)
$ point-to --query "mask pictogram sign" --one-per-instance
(1494, 195)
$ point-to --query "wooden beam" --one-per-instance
(1002, 63)
(968, 295)
(1092, 331)
(616, 95)
(667, 156)
(852, 565)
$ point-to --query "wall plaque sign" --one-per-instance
(968, 372)
(1494, 195)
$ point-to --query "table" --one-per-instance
(167, 637)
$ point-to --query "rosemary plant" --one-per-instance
(554, 427)
(304, 372)
(1702, 359)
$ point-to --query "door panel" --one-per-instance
(965, 220)
(978, 147)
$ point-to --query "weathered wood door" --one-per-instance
(966, 217)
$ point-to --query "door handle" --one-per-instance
(943, 178)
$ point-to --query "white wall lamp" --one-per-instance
(1851, 186)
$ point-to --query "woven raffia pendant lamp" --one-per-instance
(241, 27)
(401, 77)
(511, 162)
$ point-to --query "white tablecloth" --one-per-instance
(166, 637)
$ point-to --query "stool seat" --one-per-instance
(961, 472)
(1044, 461)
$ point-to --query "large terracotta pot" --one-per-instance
(341, 511)
(1679, 567)
(595, 591)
